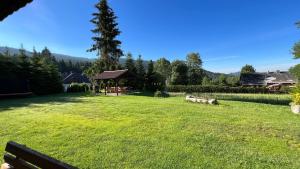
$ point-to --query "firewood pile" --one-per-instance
(201, 100)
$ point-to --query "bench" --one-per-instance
(18, 156)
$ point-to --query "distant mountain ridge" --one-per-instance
(13, 51)
(56, 55)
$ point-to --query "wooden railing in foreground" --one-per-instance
(19, 156)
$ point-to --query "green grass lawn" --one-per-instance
(147, 132)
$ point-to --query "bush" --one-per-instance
(78, 87)
(215, 89)
(296, 95)
(161, 94)
(296, 98)
(285, 89)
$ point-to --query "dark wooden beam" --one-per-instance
(7, 7)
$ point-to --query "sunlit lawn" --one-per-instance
(147, 132)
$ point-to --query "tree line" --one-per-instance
(295, 70)
(39, 72)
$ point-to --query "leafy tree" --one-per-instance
(195, 72)
(179, 73)
(106, 30)
(140, 70)
(222, 80)
(163, 67)
(206, 81)
(247, 69)
(296, 48)
(233, 80)
(295, 71)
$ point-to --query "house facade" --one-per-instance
(74, 78)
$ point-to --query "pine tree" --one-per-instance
(23, 64)
(140, 72)
(106, 31)
(154, 81)
(130, 65)
(150, 70)
(45, 76)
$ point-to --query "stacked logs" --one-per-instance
(201, 100)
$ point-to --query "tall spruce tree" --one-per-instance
(154, 81)
(45, 77)
(130, 65)
(106, 30)
(23, 64)
(140, 71)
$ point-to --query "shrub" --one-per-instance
(161, 94)
(78, 87)
(296, 98)
(285, 89)
(215, 89)
(296, 95)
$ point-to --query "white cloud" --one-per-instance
(224, 58)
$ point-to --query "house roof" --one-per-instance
(110, 74)
(280, 77)
(8, 7)
(253, 79)
(75, 78)
(262, 79)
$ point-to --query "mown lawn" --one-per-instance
(147, 132)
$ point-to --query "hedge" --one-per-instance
(78, 87)
(215, 89)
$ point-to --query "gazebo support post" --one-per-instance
(105, 87)
(117, 87)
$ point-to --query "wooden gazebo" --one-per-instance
(111, 75)
(7, 7)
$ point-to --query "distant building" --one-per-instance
(271, 79)
(74, 78)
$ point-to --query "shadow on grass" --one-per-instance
(259, 98)
(11, 103)
(263, 101)
(144, 93)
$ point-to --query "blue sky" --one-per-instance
(227, 33)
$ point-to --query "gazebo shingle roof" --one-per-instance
(7, 7)
(110, 74)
